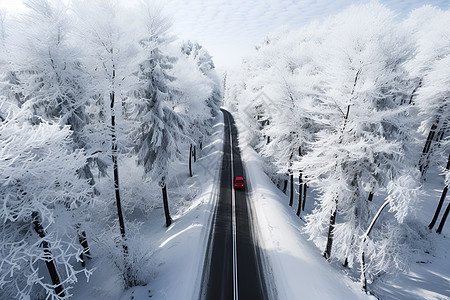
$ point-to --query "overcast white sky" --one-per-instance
(229, 29)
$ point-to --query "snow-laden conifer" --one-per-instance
(160, 129)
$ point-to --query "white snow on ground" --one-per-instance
(428, 276)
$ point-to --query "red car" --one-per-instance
(239, 183)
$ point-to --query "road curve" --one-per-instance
(232, 268)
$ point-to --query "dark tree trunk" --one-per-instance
(114, 156)
(115, 166)
(86, 252)
(285, 186)
(429, 140)
(166, 204)
(444, 218)
(441, 201)
(194, 153)
(305, 186)
(330, 237)
(291, 198)
(363, 270)
(345, 264)
(56, 281)
(414, 92)
(423, 163)
(190, 161)
(327, 252)
(83, 242)
(439, 207)
(300, 194)
(370, 198)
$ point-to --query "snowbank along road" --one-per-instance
(233, 268)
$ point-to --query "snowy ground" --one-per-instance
(428, 276)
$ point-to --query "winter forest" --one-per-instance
(356, 109)
(86, 90)
(100, 102)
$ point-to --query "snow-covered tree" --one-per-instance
(109, 61)
(44, 70)
(429, 30)
(160, 130)
(205, 63)
(200, 88)
(386, 249)
(42, 196)
(359, 150)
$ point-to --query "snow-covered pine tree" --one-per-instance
(160, 130)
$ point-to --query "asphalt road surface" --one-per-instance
(233, 268)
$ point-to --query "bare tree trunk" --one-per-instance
(83, 242)
(441, 201)
(300, 194)
(327, 252)
(444, 218)
(116, 168)
(414, 92)
(363, 270)
(194, 153)
(37, 225)
(345, 264)
(291, 198)
(190, 161)
(425, 157)
(166, 203)
(285, 186)
(305, 186)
